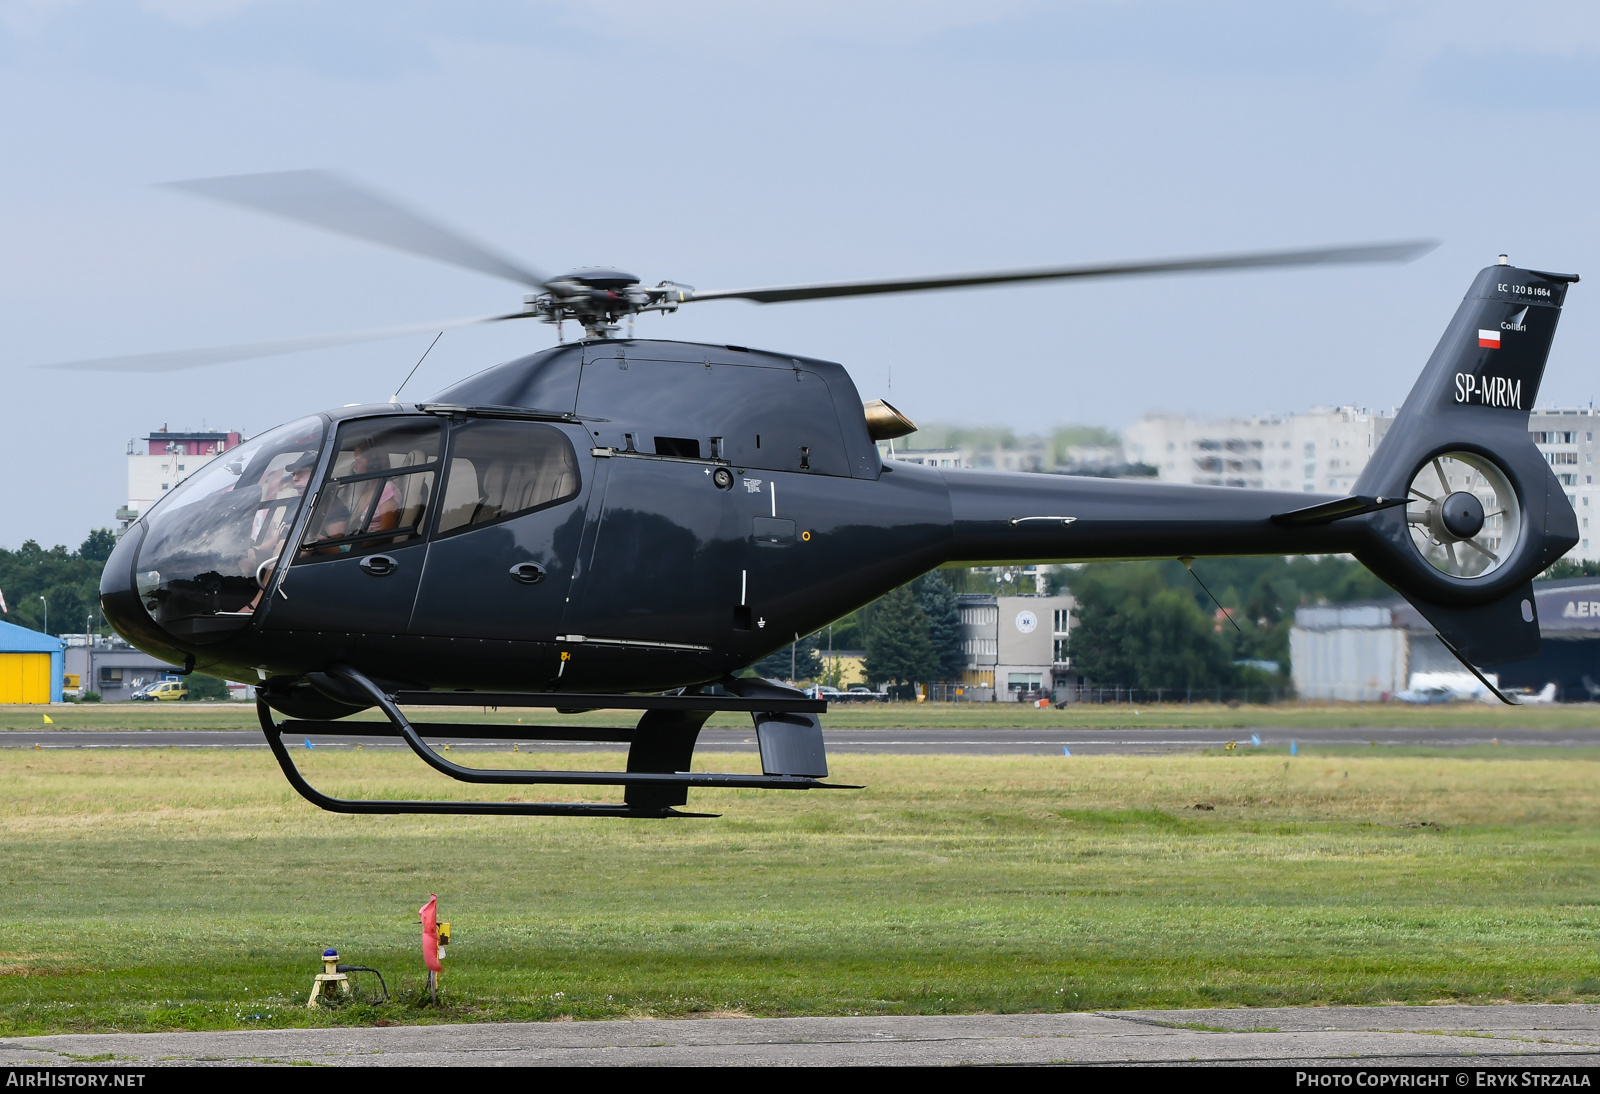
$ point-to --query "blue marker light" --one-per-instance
(1255, 740)
(309, 744)
(1065, 751)
(1294, 749)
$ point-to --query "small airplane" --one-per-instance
(624, 523)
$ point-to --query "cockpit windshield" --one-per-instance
(212, 544)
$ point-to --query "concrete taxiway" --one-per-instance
(909, 742)
(1444, 1037)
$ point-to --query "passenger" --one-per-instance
(349, 508)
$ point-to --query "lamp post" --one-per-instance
(46, 604)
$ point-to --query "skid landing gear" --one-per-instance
(656, 781)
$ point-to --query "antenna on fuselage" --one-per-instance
(395, 398)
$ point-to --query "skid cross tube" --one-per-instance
(797, 704)
(274, 735)
(579, 778)
(468, 731)
(399, 726)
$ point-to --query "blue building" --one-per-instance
(31, 665)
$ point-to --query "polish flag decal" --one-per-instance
(1488, 339)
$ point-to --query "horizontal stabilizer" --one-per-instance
(1329, 511)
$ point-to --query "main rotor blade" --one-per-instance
(325, 200)
(1323, 256)
(176, 360)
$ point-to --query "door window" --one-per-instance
(502, 469)
(377, 491)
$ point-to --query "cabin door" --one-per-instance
(509, 524)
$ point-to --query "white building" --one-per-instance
(160, 461)
(1322, 451)
(1566, 437)
(1015, 645)
(928, 457)
(1363, 652)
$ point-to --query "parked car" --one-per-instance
(823, 691)
(865, 695)
(162, 691)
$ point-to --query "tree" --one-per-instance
(899, 651)
(1135, 630)
(850, 631)
(938, 602)
(202, 686)
(1571, 567)
(803, 662)
(99, 545)
(68, 580)
(1261, 594)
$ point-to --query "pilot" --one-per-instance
(290, 482)
(271, 524)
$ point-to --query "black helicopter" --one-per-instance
(624, 524)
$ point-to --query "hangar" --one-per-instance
(31, 665)
(1367, 652)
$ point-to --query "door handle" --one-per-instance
(379, 565)
(528, 573)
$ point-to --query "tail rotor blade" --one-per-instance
(325, 200)
(177, 360)
(1323, 256)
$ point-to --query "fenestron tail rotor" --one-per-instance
(600, 299)
(1464, 515)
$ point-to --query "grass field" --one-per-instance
(161, 889)
(871, 715)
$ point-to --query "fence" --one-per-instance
(945, 691)
(1185, 695)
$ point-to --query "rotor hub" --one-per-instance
(1459, 516)
(597, 277)
(599, 297)
(1465, 515)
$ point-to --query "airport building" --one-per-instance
(160, 461)
(31, 666)
(109, 666)
(1367, 652)
(1015, 646)
(1325, 450)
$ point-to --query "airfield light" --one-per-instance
(330, 974)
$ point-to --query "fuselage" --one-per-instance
(617, 515)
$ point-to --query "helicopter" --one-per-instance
(624, 524)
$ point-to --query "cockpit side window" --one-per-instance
(501, 469)
(377, 491)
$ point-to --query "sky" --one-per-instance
(725, 144)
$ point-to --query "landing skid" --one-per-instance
(661, 746)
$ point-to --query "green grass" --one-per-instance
(167, 889)
(882, 715)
